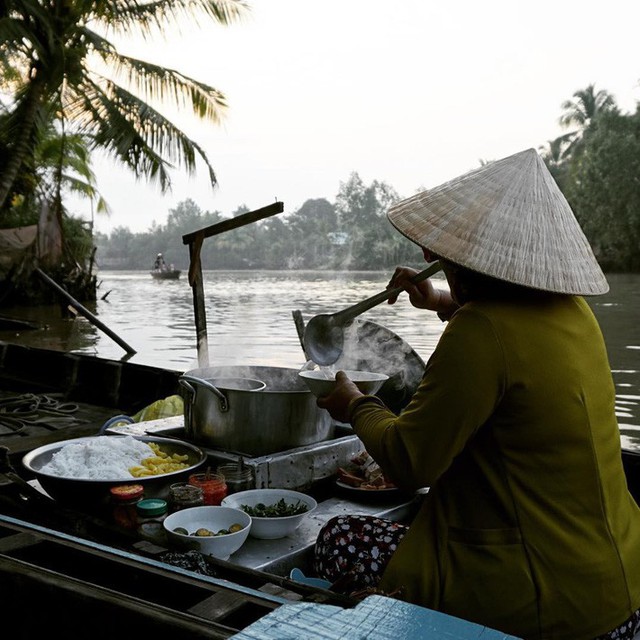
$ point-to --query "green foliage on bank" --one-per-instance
(597, 166)
(352, 232)
(603, 187)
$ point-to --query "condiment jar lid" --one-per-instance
(126, 491)
(150, 507)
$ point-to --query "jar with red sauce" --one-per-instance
(213, 485)
(124, 498)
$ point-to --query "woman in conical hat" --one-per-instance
(528, 526)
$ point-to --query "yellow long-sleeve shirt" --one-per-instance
(528, 526)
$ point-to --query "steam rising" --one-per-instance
(371, 347)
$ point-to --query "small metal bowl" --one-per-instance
(76, 491)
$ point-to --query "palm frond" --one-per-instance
(587, 105)
(31, 32)
(45, 53)
(86, 190)
(125, 15)
(136, 133)
(153, 82)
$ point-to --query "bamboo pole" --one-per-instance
(84, 311)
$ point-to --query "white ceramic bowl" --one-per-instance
(213, 518)
(276, 527)
(321, 382)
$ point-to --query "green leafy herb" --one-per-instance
(278, 510)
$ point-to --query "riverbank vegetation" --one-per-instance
(63, 80)
(596, 163)
(597, 166)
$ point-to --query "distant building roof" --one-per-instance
(338, 237)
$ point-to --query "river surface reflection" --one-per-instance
(250, 322)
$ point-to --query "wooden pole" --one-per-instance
(199, 311)
(195, 240)
(234, 223)
(84, 311)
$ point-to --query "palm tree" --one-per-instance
(61, 163)
(47, 51)
(586, 106)
(554, 153)
(582, 112)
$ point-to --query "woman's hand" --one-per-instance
(422, 295)
(337, 402)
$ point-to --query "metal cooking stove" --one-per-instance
(295, 469)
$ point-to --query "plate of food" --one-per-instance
(364, 477)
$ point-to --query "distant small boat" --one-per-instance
(165, 274)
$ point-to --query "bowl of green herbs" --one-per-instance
(275, 513)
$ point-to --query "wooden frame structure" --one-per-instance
(195, 240)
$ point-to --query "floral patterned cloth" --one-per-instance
(352, 551)
(626, 631)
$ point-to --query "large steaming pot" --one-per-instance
(282, 416)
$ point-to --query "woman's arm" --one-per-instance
(422, 295)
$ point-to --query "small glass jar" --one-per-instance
(124, 498)
(238, 477)
(151, 512)
(213, 485)
(183, 495)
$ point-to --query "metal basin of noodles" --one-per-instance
(95, 493)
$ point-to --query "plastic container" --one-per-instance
(238, 477)
(124, 498)
(151, 513)
(183, 495)
(213, 485)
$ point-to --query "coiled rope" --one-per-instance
(32, 410)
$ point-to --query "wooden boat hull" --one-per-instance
(167, 274)
(101, 388)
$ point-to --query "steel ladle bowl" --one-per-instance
(323, 338)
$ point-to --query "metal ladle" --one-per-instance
(323, 338)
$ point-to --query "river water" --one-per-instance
(250, 322)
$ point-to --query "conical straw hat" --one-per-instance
(509, 220)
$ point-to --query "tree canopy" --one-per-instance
(49, 51)
(62, 78)
(597, 165)
(350, 233)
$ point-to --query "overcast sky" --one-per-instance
(409, 92)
